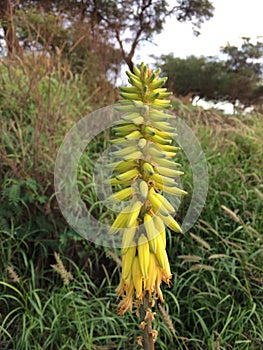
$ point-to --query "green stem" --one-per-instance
(147, 339)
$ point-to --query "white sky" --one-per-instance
(232, 19)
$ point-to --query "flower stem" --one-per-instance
(147, 341)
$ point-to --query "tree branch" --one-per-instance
(7, 22)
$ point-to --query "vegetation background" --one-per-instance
(59, 62)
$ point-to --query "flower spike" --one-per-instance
(144, 141)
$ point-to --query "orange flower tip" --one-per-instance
(121, 312)
(120, 289)
(152, 302)
(139, 341)
(143, 325)
(160, 294)
(139, 296)
(167, 281)
(166, 277)
(124, 305)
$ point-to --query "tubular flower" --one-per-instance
(144, 171)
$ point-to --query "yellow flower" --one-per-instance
(145, 169)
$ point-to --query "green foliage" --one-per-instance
(215, 300)
(216, 297)
(87, 32)
(244, 58)
(75, 42)
(218, 281)
(77, 316)
(196, 11)
(237, 78)
(46, 32)
(38, 106)
(195, 76)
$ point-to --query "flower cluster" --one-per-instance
(144, 170)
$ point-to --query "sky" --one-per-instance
(232, 20)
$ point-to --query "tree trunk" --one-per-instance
(7, 23)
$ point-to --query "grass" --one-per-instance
(216, 298)
(77, 317)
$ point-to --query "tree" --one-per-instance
(237, 78)
(195, 11)
(244, 72)
(245, 58)
(127, 23)
(132, 22)
(72, 43)
(193, 76)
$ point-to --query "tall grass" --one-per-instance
(59, 316)
(216, 299)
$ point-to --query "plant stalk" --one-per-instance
(147, 339)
